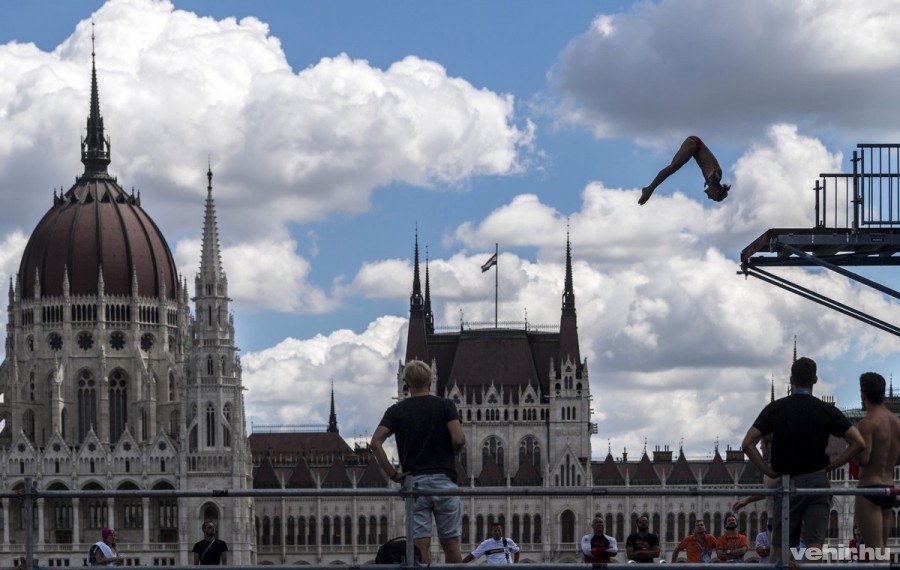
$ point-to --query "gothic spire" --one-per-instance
(415, 300)
(429, 316)
(417, 335)
(210, 258)
(569, 291)
(568, 326)
(95, 147)
(332, 416)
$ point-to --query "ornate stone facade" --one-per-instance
(109, 382)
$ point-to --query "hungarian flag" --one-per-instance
(489, 263)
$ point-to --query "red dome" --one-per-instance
(96, 224)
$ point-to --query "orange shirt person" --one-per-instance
(732, 545)
(692, 147)
(699, 546)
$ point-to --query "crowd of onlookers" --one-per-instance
(794, 431)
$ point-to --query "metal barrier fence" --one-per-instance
(31, 494)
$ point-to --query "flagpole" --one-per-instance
(496, 280)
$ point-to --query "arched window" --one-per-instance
(530, 452)
(348, 530)
(326, 530)
(276, 531)
(465, 536)
(833, 524)
(28, 424)
(526, 528)
(620, 526)
(222, 366)
(670, 528)
(144, 424)
(718, 528)
(336, 537)
(226, 431)
(209, 365)
(567, 526)
(537, 529)
(210, 425)
(493, 448)
(655, 528)
(266, 531)
(361, 530)
(118, 405)
(174, 426)
(373, 530)
(171, 387)
(311, 537)
(382, 530)
(289, 535)
(87, 404)
(681, 528)
(479, 527)
(516, 535)
(754, 524)
(95, 513)
(301, 531)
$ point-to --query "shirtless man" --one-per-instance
(881, 431)
(692, 147)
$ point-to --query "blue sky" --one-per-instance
(335, 129)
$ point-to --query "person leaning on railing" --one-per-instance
(800, 425)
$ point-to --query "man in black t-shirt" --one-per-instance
(642, 546)
(210, 551)
(800, 425)
(429, 434)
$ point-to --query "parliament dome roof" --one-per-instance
(96, 227)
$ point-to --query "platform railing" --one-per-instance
(30, 495)
(869, 196)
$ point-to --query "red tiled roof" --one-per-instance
(607, 473)
(301, 477)
(372, 476)
(298, 443)
(265, 476)
(645, 474)
(501, 358)
(718, 474)
(681, 474)
(337, 475)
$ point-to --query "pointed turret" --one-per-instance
(416, 337)
(210, 258)
(568, 325)
(415, 299)
(95, 147)
(332, 416)
(429, 316)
